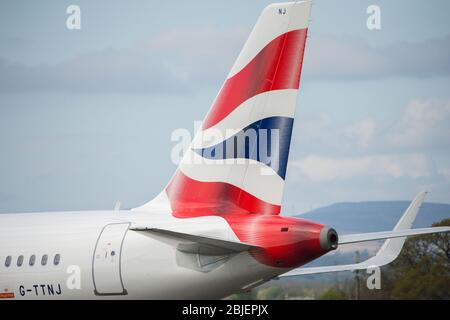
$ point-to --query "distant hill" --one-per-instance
(374, 216)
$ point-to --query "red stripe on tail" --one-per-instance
(277, 66)
(192, 198)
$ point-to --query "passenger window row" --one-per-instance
(32, 260)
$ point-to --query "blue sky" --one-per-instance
(86, 115)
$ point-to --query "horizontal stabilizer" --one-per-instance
(388, 252)
(353, 238)
(385, 255)
(190, 243)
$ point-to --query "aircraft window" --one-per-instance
(20, 260)
(56, 259)
(32, 260)
(44, 259)
(8, 261)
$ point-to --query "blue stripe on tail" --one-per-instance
(265, 140)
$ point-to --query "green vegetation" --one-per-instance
(423, 269)
(333, 294)
(271, 293)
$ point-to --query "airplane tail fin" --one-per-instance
(237, 161)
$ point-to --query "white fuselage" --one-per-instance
(99, 257)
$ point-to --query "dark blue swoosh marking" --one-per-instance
(259, 142)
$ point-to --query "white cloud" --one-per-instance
(423, 125)
(445, 172)
(362, 132)
(315, 126)
(177, 60)
(350, 58)
(173, 61)
(422, 122)
(317, 168)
